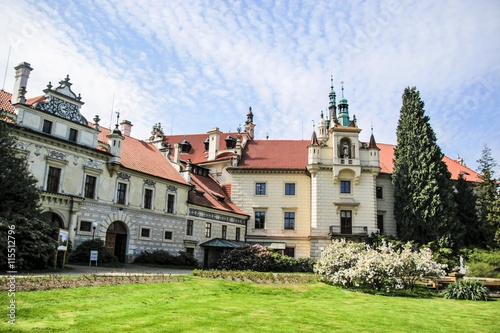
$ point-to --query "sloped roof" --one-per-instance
(219, 242)
(209, 193)
(5, 104)
(275, 154)
(144, 157)
(455, 168)
(197, 154)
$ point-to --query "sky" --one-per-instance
(196, 65)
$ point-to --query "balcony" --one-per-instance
(336, 230)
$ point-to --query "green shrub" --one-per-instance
(161, 257)
(259, 258)
(466, 289)
(82, 252)
(482, 269)
(483, 263)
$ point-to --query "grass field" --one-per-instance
(205, 305)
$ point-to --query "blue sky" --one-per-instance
(195, 65)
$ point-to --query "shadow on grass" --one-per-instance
(419, 291)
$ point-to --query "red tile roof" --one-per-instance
(275, 154)
(289, 154)
(33, 100)
(5, 104)
(455, 168)
(144, 157)
(209, 193)
(197, 154)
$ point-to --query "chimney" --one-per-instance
(22, 75)
(213, 146)
(126, 127)
(177, 153)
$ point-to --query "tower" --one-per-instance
(332, 107)
(344, 111)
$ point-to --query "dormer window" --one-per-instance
(207, 144)
(73, 133)
(47, 127)
(185, 146)
(230, 142)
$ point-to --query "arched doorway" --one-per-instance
(116, 240)
(54, 218)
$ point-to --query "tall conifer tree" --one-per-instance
(469, 233)
(489, 198)
(424, 205)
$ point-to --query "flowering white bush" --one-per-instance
(347, 262)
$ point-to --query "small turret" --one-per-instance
(344, 111)
(249, 125)
(115, 140)
(322, 128)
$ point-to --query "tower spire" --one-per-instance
(332, 107)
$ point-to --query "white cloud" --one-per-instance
(181, 58)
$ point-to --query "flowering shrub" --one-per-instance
(338, 260)
(347, 263)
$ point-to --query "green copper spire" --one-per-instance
(332, 94)
(344, 110)
(332, 107)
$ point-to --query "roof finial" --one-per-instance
(372, 126)
(342, 83)
(117, 117)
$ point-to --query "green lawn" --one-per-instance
(200, 305)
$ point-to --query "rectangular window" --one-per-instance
(168, 235)
(148, 199)
(346, 222)
(90, 182)
(189, 228)
(260, 220)
(190, 250)
(145, 232)
(170, 203)
(47, 127)
(345, 186)
(380, 192)
(73, 133)
(289, 252)
(122, 191)
(238, 234)
(290, 189)
(85, 226)
(208, 230)
(380, 223)
(290, 220)
(53, 179)
(260, 188)
(224, 232)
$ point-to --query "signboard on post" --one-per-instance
(93, 257)
(62, 240)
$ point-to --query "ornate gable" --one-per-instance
(63, 102)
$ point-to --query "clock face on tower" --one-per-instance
(63, 108)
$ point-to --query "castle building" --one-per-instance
(203, 193)
(97, 182)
